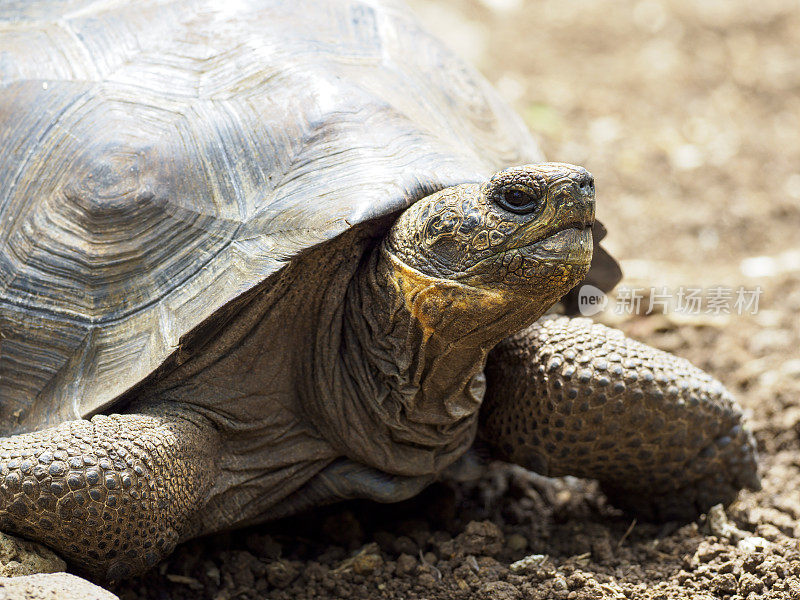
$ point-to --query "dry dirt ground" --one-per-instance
(688, 113)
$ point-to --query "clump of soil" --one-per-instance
(688, 115)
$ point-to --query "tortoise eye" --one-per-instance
(520, 200)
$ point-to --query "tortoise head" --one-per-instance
(458, 271)
(520, 240)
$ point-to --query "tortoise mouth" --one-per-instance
(545, 263)
(570, 244)
(574, 234)
(579, 223)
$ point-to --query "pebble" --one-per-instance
(749, 583)
(753, 543)
(707, 552)
(529, 562)
(406, 564)
(724, 583)
(366, 563)
(281, 573)
(559, 583)
(481, 538)
(22, 557)
(52, 586)
(720, 526)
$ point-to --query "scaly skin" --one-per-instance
(570, 397)
(113, 495)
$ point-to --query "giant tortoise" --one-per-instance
(258, 256)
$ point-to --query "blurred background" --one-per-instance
(687, 112)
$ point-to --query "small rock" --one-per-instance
(21, 557)
(720, 526)
(61, 586)
(576, 581)
(528, 563)
(724, 583)
(491, 569)
(612, 591)
(749, 583)
(481, 538)
(367, 562)
(752, 562)
(706, 552)
(332, 554)
(728, 567)
(753, 543)
(281, 573)
(406, 564)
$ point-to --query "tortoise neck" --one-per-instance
(410, 357)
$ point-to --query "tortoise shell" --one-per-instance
(160, 159)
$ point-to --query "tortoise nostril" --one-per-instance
(585, 183)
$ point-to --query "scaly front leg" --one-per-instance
(570, 397)
(114, 494)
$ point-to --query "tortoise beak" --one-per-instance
(577, 201)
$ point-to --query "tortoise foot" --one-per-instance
(112, 495)
(571, 397)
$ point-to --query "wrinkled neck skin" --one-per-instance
(409, 366)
